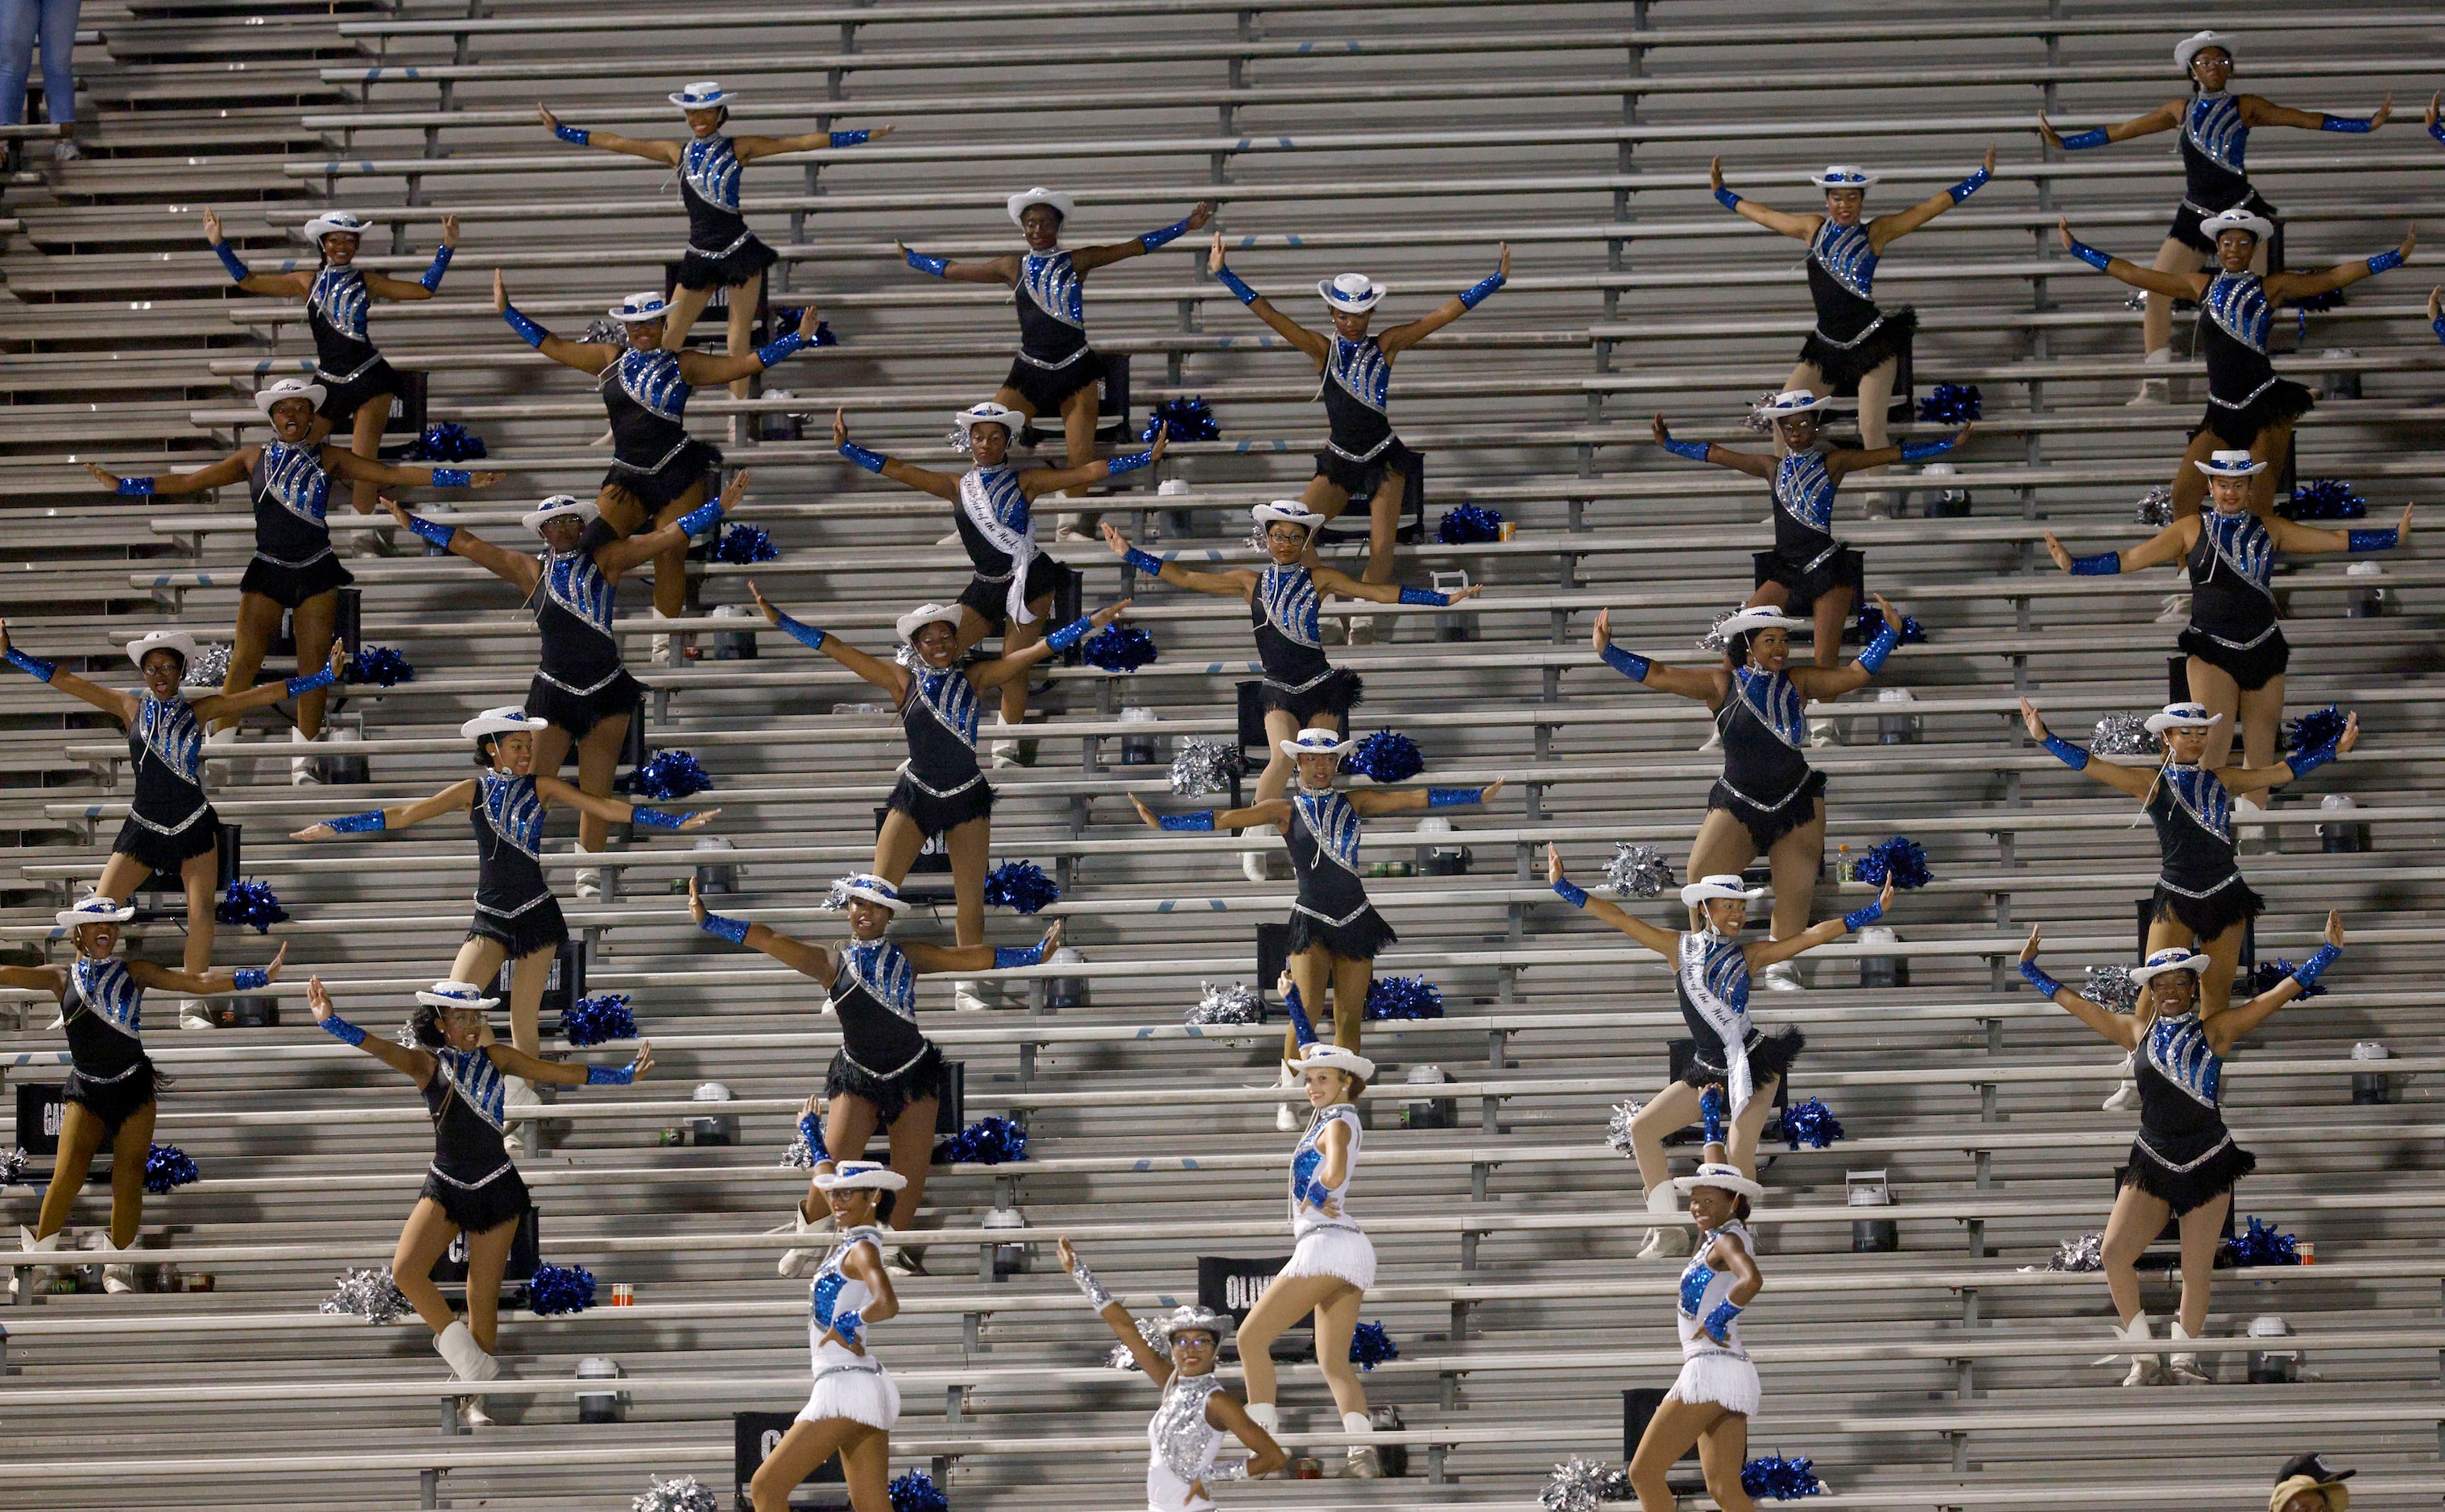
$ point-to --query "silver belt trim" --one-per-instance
(269, 559)
(885, 1075)
(1301, 687)
(1053, 368)
(2209, 892)
(535, 901)
(473, 1185)
(1844, 347)
(1342, 922)
(1754, 803)
(744, 237)
(932, 791)
(2141, 1140)
(658, 463)
(871, 1367)
(201, 810)
(362, 369)
(2251, 644)
(2247, 400)
(1353, 457)
(612, 676)
(88, 1077)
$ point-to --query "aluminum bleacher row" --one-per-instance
(1407, 138)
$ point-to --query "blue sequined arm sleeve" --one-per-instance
(1165, 236)
(1710, 1115)
(1729, 200)
(528, 330)
(452, 478)
(924, 264)
(230, 259)
(2308, 973)
(1921, 451)
(2436, 128)
(1859, 919)
(1128, 462)
(852, 138)
(33, 666)
(773, 353)
(2036, 977)
(1018, 954)
(2093, 137)
(442, 255)
(575, 136)
(2303, 762)
(251, 978)
(2385, 540)
(2066, 752)
(806, 635)
(1571, 893)
(2091, 256)
(2438, 327)
(872, 461)
(1453, 798)
(365, 823)
(1629, 664)
(1202, 819)
(2357, 126)
(702, 519)
(1873, 657)
(134, 488)
(1428, 596)
(610, 1076)
(312, 682)
(734, 930)
(1238, 286)
(1070, 634)
(1477, 293)
(1720, 1321)
(1695, 450)
(659, 818)
(2105, 563)
(343, 1031)
(2386, 262)
(1968, 186)
(1145, 562)
(434, 531)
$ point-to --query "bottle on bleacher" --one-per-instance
(854, 1403)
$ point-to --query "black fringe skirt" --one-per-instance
(698, 272)
(2187, 1179)
(1844, 366)
(1771, 1058)
(1362, 939)
(940, 816)
(168, 852)
(1337, 694)
(2281, 402)
(116, 1101)
(1766, 826)
(521, 934)
(2207, 918)
(502, 1199)
(926, 1077)
(2251, 669)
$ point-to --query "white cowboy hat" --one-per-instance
(924, 615)
(336, 220)
(2236, 219)
(1722, 885)
(1723, 1178)
(1765, 617)
(2181, 716)
(702, 95)
(1287, 512)
(558, 504)
(2231, 464)
(1315, 742)
(178, 640)
(1190, 1319)
(94, 909)
(2173, 958)
(1321, 1056)
(1843, 176)
(1352, 293)
(1795, 401)
(872, 888)
(860, 1175)
(454, 994)
(272, 393)
(507, 719)
(2196, 43)
(638, 308)
(1019, 205)
(988, 413)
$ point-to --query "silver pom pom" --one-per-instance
(1205, 766)
(1715, 640)
(13, 1165)
(1228, 1002)
(1121, 1359)
(959, 440)
(2136, 299)
(686, 1494)
(1255, 541)
(210, 668)
(2086, 1253)
(798, 1156)
(2157, 508)
(405, 1036)
(370, 1295)
(837, 898)
(1617, 1136)
(2111, 987)
(606, 331)
(1636, 871)
(1581, 1485)
(2122, 735)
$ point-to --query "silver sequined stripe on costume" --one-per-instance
(711, 169)
(2244, 544)
(341, 295)
(105, 990)
(2213, 125)
(882, 972)
(171, 736)
(1181, 1435)
(1804, 491)
(1847, 256)
(1288, 597)
(476, 1079)
(2209, 806)
(1048, 281)
(1334, 824)
(2237, 303)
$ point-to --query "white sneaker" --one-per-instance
(2176, 609)
(1364, 1465)
(302, 769)
(1782, 976)
(797, 1262)
(192, 1015)
(1361, 630)
(2146, 1369)
(2182, 1369)
(119, 1280)
(1286, 1118)
(471, 1412)
(1252, 864)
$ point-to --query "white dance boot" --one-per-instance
(32, 1277)
(2156, 388)
(2146, 1369)
(303, 770)
(2182, 1366)
(1286, 1118)
(1364, 1462)
(2126, 1095)
(795, 1262)
(587, 881)
(1666, 1241)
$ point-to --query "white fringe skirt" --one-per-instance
(1343, 1252)
(1727, 1380)
(862, 1393)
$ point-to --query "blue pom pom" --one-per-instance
(1119, 648)
(1404, 998)
(445, 441)
(2320, 727)
(785, 319)
(986, 1141)
(2264, 976)
(1182, 419)
(1468, 525)
(251, 903)
(1901, 858)
(917, 1492)
(596, 1020)
(167, 1166)
(1369, 1345)
(560, 1289)
(743, 544)
(2261, 1244)
(381, 667)
(1872, 624)
(1951, 404)
(1773, 1476)
(1019, 886)
(1810, 1123)
(1386, 755)
(2323, 498)
(670, 774)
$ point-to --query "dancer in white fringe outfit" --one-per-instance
(854, 1403)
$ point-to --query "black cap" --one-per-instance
(2313, 1465)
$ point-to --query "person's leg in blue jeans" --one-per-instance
(54, 24)
(59, 30)
(18, 19)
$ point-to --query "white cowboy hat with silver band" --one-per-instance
(2231, 464)
(507, 719)
(271, 394)
(1287, 512)
(2196, 43)
(338, 221)
(1795, 401)
(1019, 205)
(96, 908)
(872, 888)
(556, 507)
(454, 994)
(1722, 885)
(2173, 958)
(638, 308)
(705, 94)
(1315, 742)
(1352, 293)
(1189, 1318)
(2181, 716)
(1843, 176)
(1322, 1057)
(1723, 1178)
(988, 413)
(924, 615)
(1765, 617)
(178, 640)
(2236, 219)
(859, 1176)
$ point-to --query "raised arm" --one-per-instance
(751, 148)
(1704, 687)
(1086, 259)
(884, 675)
(625, 555)
(1844, 461)
(1824, 931)
(2307, 540)
(1833, 682)
(704, 369)
(516, 568)
(119, 706)
(411, 1061)
(293, 284)
(619, 811)
(1372, 801)
(799, 956)
(2257, 111)
(1800, 227)
(262, 696)
(1886, 229)
(1315, 344)
(1268, 811)
(2123, 1029)
(944, 486)
(2133, 780)
(1012, 664)
(1409, 333)
(1238, 583)
(231, 469)
(452, 799)
(1340, 584)
(382, 286)
(2239, 1019)
(2164, 118)
(1749, 463)
(1038, 481)
(2299, 764)
(666, 153)
(204, 984)
(2174, 286)
(931, 958)
(1003, 270)
(1115, 1317)
(1664, 942)
(2280, 286)
(587, 357)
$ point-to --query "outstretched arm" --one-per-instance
(1749, 463)
(452, 799)
(294, 285)
(1315, 344)
(2259, 111)
(2123, 1029)
(1407, 334)
(704, 369)
(213, 705)
(1831, 682)
(382, 286)
(1270, 811)
(341, 462)
(1003, 270)
(619, 811)
(514, 568)
(1038, 481)
(666, 153)
(930, 959)
(1012, 664)
(2307, 540)
(1086, 259)
(2164, 118)
(230, 469)
(884, 675)
(1115, 1317)
(512, 1061)
(1824, 932)
(1663, 941)
(1801, 228)
(587, 357)
(1687, 682)
(799, 956)
(1843, 463)
(1372, 801)
(119, 706)
(944, 486)
(2280, 286)
(2171, 544)
(1886, 229)
(1238, 583)
(1340, 584)
(618, 557)
(205, 983)
(751, 148)
(414, 1062)
(2299, 764)
(2239, 1019)
(2133, 780)
(2174, 286)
